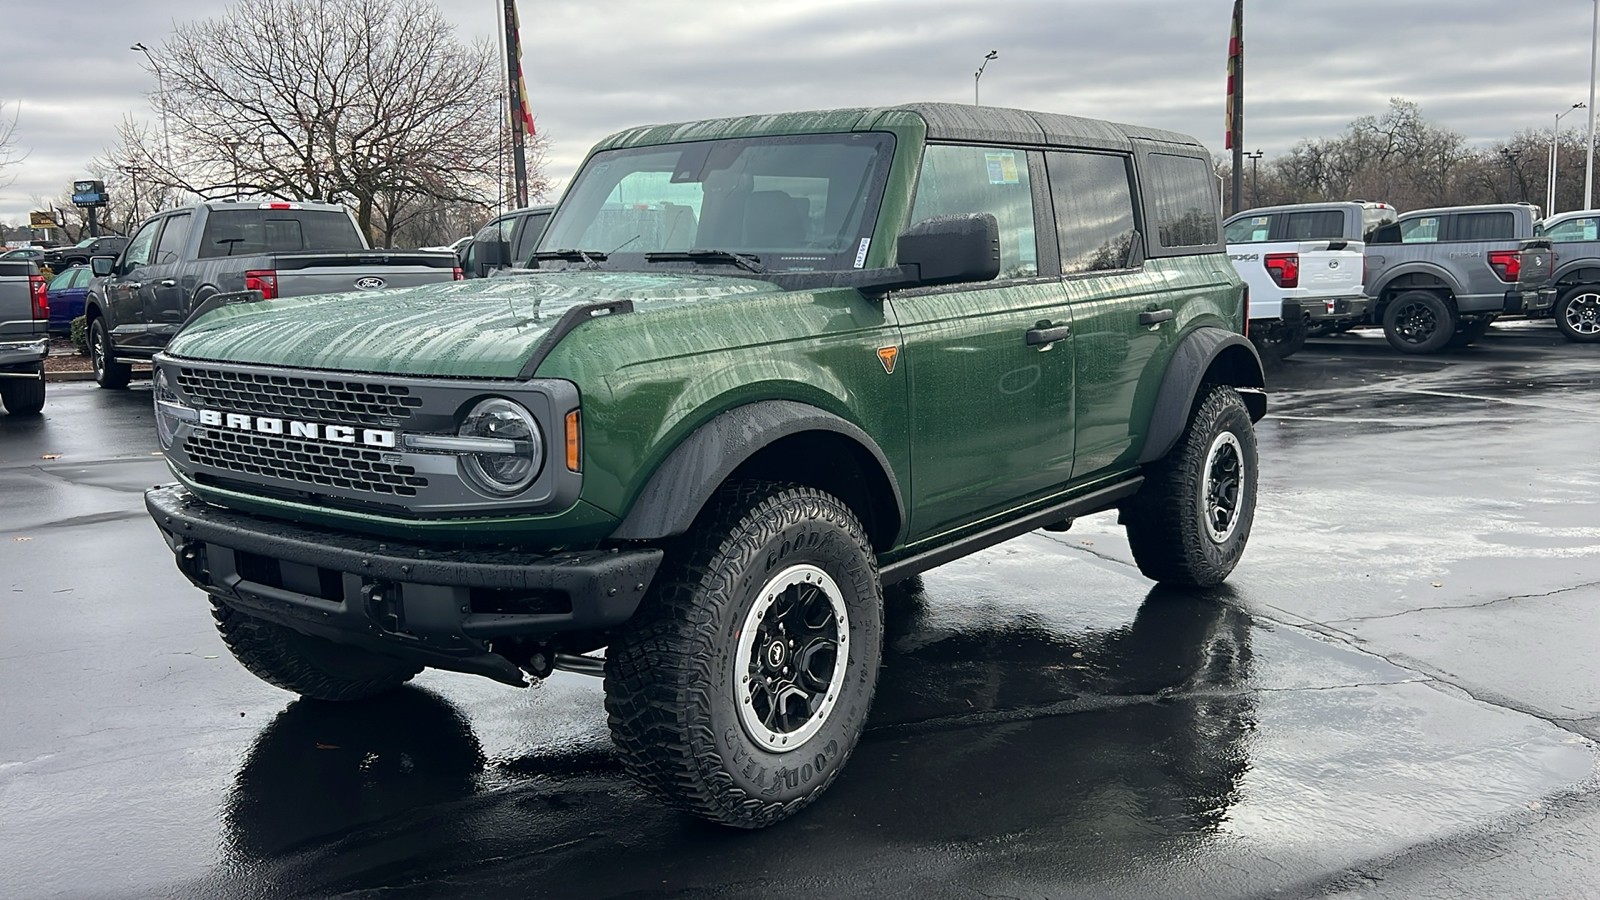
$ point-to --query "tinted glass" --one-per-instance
(173, 238)
(143, 244)
(1422, 230)
(246, 232)
(1585, 229)
(1320, 225)
(1485, 226)
(1185, 201)
(532, 227)
(1093, 198)
(64, 280)
(1248, 230)
(983, 180)
(800, 203)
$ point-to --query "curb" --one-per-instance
(55, 377)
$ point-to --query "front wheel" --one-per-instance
(740, 688)
(23, 397)
(1577, 314)
(108, 373)
(1419, 322)
(1190, 521)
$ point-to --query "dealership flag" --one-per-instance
(1235, 121)
(524, 114)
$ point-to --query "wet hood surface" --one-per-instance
(484, 328)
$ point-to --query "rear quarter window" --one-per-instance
(1185, 202)
(1485, 226)
(1318, 225)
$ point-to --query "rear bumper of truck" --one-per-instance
(1529, 301)
(1337, 309)
(434, 606)
(24, 358)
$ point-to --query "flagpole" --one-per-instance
(519, 155)
(1236, 102)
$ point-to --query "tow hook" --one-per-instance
(192, 562)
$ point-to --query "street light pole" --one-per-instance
(1555, 138)
(1594, 60)
(1255, 177)
(161, 92)
(976, 76)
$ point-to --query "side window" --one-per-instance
(1185, 201)
(141, 247)
(1322, 225)
(173, 238)
(64, 280)
(959, 180)
(532, 227)
(1421, 230)
(1248, 230)
(1486, 226)
(81, 276)
(1574, 230)
(1093, 198)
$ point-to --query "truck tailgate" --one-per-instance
(1328, 272)
(337, 273)
(1536, 263)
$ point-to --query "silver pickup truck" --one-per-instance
(182, 257)
(24, 316)
(1440, 277)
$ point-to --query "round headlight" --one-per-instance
(512, 450)
(165, 400)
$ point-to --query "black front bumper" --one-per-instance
(437, 607)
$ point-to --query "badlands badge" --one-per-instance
(888, 356)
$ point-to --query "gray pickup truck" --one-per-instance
(182, 257)
(24, 316)
(1440, 277)
(1576, 280)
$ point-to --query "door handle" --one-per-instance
(1155, 316)
(133, 285)
(168, 282)
(1048, 335)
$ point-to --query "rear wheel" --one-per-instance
(1419, 322)
(23, 397)
(1577, 314)
(741, 687)
(308, 666)
(1190, 521)
(108, 373)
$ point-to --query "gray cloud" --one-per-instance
(593, 67)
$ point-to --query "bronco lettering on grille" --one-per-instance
(333, 434)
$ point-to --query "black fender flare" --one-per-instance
(1432, 270)
(692, 472)
(1197, 354)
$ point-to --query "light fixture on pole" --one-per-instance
(976, 76)
(161, 92)
(1255, 179)
(1555, 138)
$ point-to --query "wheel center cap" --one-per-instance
(775, 654)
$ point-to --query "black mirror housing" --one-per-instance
(952, 249)
(102, 266)
(488, 255)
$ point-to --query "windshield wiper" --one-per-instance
(747, 261)
(590, 257)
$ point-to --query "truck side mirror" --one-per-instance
(487, 254)
(102, 266)
(952, 249)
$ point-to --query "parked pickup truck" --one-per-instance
(182, 257)
(507, 240)
(1576, 280)
(24, 318)
(1303, 263)
(1440, 277)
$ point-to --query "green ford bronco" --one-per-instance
(762, 367)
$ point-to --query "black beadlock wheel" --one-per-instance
(308, 666)
(108, 373)
(23, 397)
(1577, 314)
(1419, 322)
(742, 685)
(1189, 523)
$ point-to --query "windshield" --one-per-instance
(793, 204)
(85, 242)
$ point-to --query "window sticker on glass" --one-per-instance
(1002, 167)
(861, 254)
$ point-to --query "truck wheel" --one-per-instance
(108, 373)
(739, 689)
(308, 666)
(1418, 322)
(1190, 521)
(23, 397)
(1578, 314)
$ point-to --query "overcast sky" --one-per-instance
(1485, 68)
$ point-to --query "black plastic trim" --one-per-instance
(1179, 386)
(564, 326)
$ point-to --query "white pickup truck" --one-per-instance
(1304, 265)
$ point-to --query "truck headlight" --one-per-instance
(170, 409)
(502, 446)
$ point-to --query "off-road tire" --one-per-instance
(23, 397)
(108, 373)
(308, 666)
(1167, 521)
(1419, 322)
(672, 678)
(1577, 314)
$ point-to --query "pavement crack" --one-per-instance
(1447, 607)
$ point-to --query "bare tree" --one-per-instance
(338, 100)
(9, 154)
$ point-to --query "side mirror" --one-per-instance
(487, 255)
(952, 249)
(102, 266)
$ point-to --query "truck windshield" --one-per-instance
(249, 232)
(788, 204)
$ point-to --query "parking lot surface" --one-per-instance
(1395, 695)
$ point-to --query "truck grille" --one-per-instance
(348, 468)
(297, 397)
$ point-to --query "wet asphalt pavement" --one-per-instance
(1396, 694)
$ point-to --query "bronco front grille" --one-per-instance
(297, 397)
(347, 468)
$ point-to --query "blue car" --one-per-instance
(66, 293)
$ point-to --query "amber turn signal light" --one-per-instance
(573, 442)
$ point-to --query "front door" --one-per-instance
(122, 289)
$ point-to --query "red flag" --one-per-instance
(524, 116)
(1235, 80)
